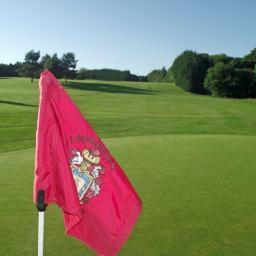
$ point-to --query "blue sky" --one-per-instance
(135, 35)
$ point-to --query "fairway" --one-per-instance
(191, 159)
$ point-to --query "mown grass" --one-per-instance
(191, 158)
(121, 109)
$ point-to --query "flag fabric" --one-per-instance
(77, 172)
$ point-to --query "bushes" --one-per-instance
(228, 81)
(157, 75)
(169, 76)
(10, 69)
(219, 75)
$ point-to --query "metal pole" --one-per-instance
(40, 233)
(41, 207)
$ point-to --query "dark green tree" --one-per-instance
(52, 63)
(83, 73)
(254, 83)
(31, 67)
(220, 58)
(157, 75)
(108, 74)
(68, 64)
(169, 76)
(250, 59)
(228, 81)
(189, 70)
(10, 69)
(251, 56)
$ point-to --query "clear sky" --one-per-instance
(139, 35)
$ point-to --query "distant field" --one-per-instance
(191, 159)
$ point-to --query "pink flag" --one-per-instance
(77, 172)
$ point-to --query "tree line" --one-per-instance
(62, 67)
(200, 73)
(33, 65)
(218, 75)
(109, 75)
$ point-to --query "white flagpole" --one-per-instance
(41, 207)
(40, 233)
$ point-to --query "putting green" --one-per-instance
(198, 193)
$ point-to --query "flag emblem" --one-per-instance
(87, 171)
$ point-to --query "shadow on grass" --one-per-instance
(110, 88)
(17, 103)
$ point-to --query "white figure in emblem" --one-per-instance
(95, 171)
(77, 159)
(95, 187)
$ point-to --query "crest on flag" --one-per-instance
(87, 171)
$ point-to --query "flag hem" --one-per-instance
(126, 231)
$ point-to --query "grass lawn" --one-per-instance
(191, 159)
